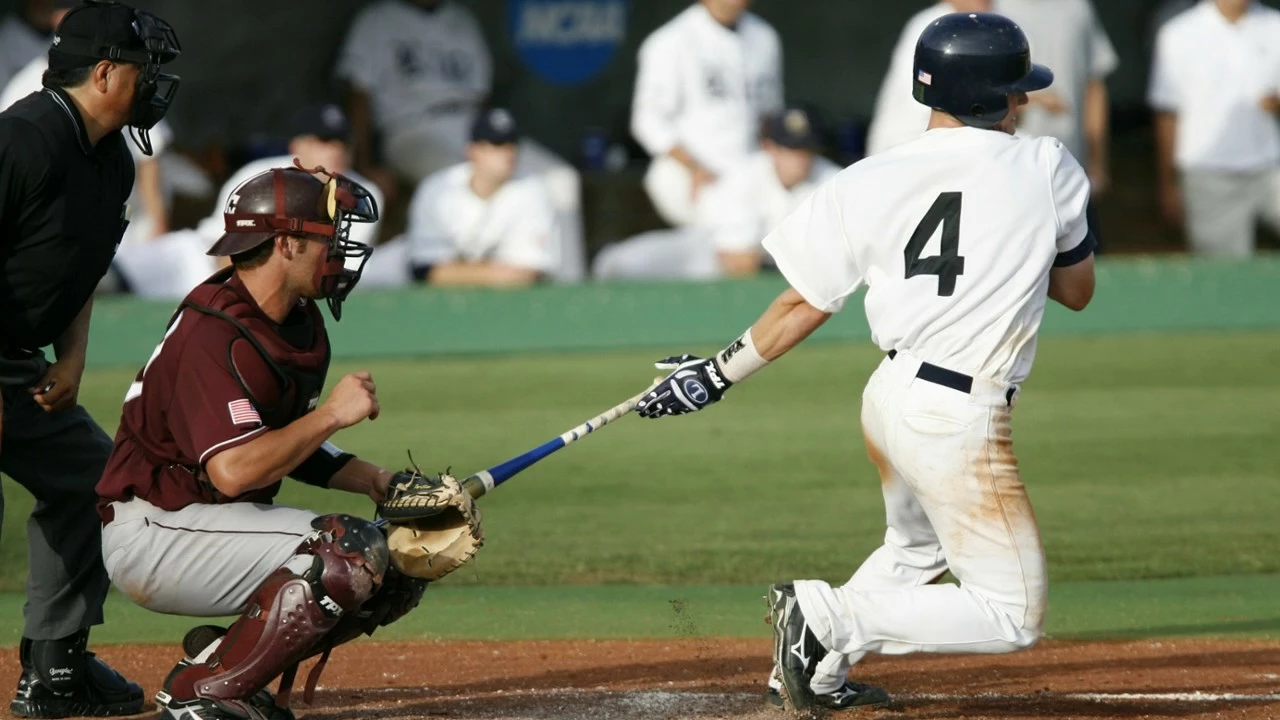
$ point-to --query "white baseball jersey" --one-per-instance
(1066, 36)
(898, 118)
(705, 87)
(515, 226)
(1214, 74)
(749, 201)
(418, 66)
(954, 235)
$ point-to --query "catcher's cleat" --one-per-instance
(194, 644)
(849, 696)
(796, 651)
(86, 686)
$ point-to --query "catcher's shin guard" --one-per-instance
(288, 615)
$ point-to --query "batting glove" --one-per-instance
(693, 384)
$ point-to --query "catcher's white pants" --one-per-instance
(202, 560)
(953, 499)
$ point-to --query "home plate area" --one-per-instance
(708, 678)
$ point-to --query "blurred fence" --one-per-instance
(1134, 295)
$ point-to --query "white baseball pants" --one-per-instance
(953, 499)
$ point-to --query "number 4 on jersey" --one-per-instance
(948, 265)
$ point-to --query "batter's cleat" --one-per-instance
(849, 696)
(60, 678)
(796, 650)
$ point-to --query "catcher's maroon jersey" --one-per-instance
(208, 388)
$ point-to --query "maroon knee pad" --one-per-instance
(289, 613)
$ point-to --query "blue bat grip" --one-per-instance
(504, 471)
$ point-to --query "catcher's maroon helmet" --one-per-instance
(306, 203)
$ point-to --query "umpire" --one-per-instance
(65, 174)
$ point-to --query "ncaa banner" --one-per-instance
(567, 42)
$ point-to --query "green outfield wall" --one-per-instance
(1133, 295)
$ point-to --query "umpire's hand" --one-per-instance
(693, 384)
(59, 389)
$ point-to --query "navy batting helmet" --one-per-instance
(967, 65)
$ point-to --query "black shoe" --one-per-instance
(847, 697)
(796, 651)
(60, 678)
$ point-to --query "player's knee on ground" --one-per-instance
(291, 612)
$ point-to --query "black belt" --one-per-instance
(948, 378)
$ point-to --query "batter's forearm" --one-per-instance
(362, 478)
(787, 321)
(72, 346)
(270, 456)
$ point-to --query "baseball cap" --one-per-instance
(496, 126)
(796, 128)
(325, 121)
(98, 30)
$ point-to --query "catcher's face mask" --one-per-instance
(346, 201)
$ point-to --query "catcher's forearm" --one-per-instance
(363, 478)
(269, 456)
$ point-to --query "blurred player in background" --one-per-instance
(1069, 38)
(25, 35)
(419, 73)
(705, 82)
(961, 236)
(151, 214)
(736, 214)
(898, 118)
(481, 223)
(1215, 86)
(174, 264)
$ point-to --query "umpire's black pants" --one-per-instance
(58, 458)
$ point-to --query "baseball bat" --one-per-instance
(483, 482)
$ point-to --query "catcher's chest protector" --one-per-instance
(282, 368)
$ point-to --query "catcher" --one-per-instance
(227, 406)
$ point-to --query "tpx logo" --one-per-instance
(714, 375)
(331, 607)
(246, 223)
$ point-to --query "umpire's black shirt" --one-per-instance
(62, 214)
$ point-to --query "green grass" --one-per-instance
(1242, 606)
(1147, 456)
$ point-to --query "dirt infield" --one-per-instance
(717, 678)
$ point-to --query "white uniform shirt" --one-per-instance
(18, 44)
(1212, 73)
(214, 226)
(898, 118)
(705, 87)
(749, 201)
(515, 226)
(418, 67)
(1066, 36)
(980, 253)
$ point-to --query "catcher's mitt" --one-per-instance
(433, 524)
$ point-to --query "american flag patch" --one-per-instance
(243, 413)
(924, 77)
